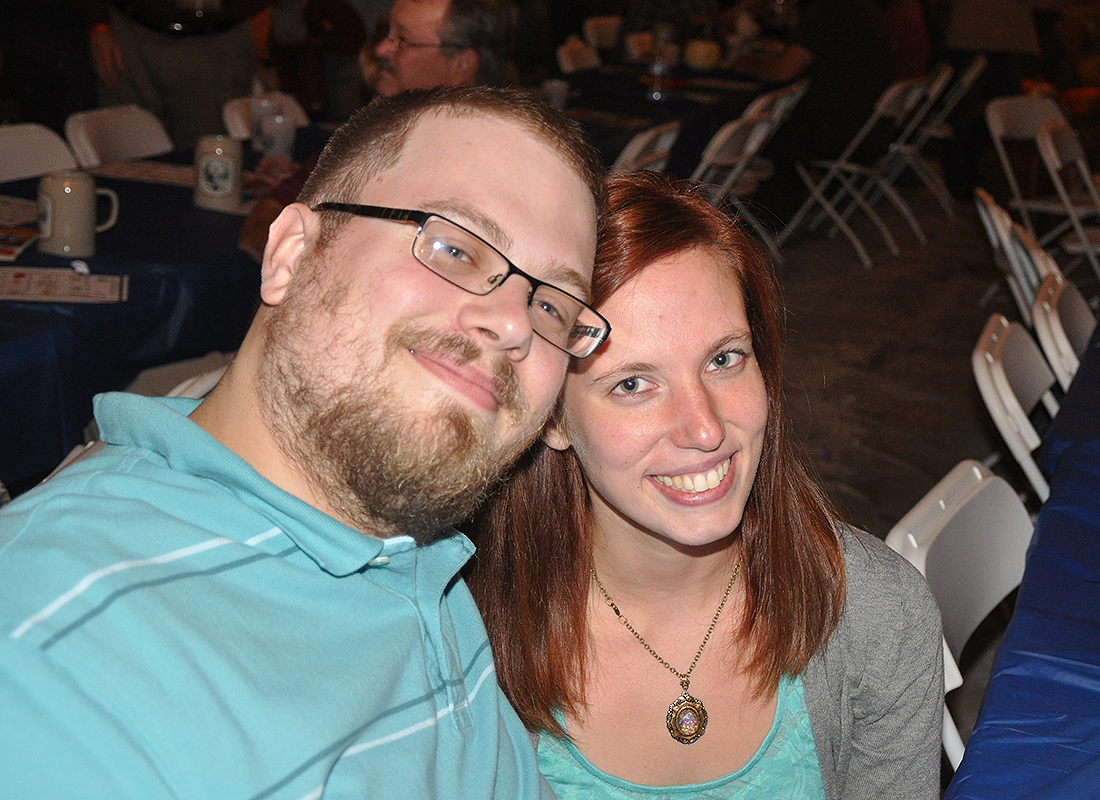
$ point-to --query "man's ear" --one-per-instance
(464, 66)
(554, 434)
(287, 239)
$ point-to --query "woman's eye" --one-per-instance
(729, 358)
(631, 385)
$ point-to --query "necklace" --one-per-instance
(687, 718)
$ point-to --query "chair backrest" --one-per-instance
(935, 84)
(237, 114)
(648, 150)
(978, 557)
(936, 127)
(1063, 324)
(1064, 158)
(115, 133)
(602, 32)
(575, 55)
(968, 536)
(896, 102)
(779, 102)
(1019, 274)
(28, 150)
(728, 152)
(1017, 118)
(1013, 379)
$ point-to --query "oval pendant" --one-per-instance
(687, 719)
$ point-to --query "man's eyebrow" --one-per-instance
(481, 224)
(558, 274)
(485, 227)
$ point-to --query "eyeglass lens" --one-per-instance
(470, 263)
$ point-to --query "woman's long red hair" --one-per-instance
(532, 570)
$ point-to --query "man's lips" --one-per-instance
(466, 379)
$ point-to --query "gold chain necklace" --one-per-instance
(687, 718)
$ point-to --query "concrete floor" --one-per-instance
(878, 361)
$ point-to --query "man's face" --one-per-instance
(397, 394)
(410, 58)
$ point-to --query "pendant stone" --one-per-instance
(687, 719)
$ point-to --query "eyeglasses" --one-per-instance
(400, 43)
(467, 261)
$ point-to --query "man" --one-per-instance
(430, 43)
(261, 599)
(445, 43)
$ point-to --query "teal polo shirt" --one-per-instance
(174, 625)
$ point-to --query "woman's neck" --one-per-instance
(642, 571)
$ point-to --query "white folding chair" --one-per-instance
(910, 154)
(778, 103)
(28, 150)
(721, 169)
(575, 55)
(830, 181)
(237, 114)
(648, 149)
(908, 115)
(1062, 154)
(968, 536)
(1015, 121)
(1010, 253)
(115, 133)
(1014, 379)
(602, 32)
(1063, 324)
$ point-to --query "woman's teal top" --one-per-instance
(784, 766)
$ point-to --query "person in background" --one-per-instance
(257, 596)
(430, 43)
(673, 603)
(181, 59)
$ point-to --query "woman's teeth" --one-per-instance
(695, 483)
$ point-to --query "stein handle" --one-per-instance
(112, 218)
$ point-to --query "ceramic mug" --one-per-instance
(67, 213)
(260, 108)
(218, 161)
(277, 134)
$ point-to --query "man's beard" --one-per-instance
(383, 468)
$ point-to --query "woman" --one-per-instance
(671, 600)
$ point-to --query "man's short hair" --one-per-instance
(373, 139)
(489, 27)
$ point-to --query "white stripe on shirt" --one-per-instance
(84, 584)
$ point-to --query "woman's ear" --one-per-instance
(554, 434)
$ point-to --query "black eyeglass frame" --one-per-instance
(400, 44)
(596, 336)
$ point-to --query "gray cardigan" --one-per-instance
(875, 694)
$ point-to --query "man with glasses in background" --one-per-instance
(258, 595)
(430, 43)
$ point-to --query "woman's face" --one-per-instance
(668, 417)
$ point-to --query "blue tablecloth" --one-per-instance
(191, 291)
(1078, 419)
(1038, 734)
